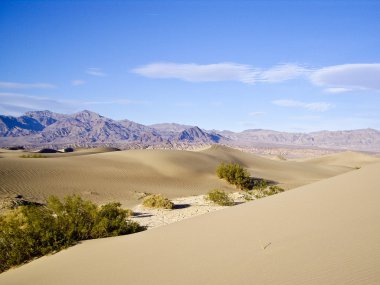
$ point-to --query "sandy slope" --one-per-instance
(121, 175)
(323, 233)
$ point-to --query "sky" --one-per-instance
(297, 66)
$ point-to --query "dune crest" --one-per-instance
(122, 175)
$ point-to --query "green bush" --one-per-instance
(260, 184)
(219, 197)
(33, 231)
(157, 201)
(33, 156)
(234, 174)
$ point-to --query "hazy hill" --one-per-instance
(362, 139)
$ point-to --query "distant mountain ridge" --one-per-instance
(88, 129)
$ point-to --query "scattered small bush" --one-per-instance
(219, 197)
(248, 197)
(281, 157)
(274, 189)
(264, 192)
(68, 149)
(15, 148)
(157, 201)
(32, 231)
(48, 150)
(33, 156)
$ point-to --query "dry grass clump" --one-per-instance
(220, 198)
(157, 201)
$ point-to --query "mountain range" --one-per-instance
(39, 129)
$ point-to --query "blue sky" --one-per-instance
(283, 65)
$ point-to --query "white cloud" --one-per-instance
(96, 72)
(18, 85)
(334, 79)
(77, 82)
(314, 106)
(255, 114)
(348, 76)
(221, 72)
(282, 72)
(199, 73)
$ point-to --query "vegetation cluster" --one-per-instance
(32, 231)
(236, 175)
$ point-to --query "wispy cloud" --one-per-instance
(18, 85)
(337, 90)
(121, 101)
(15, 103)
(346, 77)
(282, 72)
(314, 106)
(198, 72)
(77, 82)
(116, 101)
(95, 71)
(255, 114)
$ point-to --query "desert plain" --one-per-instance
(323, 229)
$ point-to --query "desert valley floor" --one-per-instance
(324, 230)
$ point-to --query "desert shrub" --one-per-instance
(48, 150)
(219, 197)
(129, 213)
(68, 149)
(264, 192)
(234, 174)
(157, 201)
(33, 156)
(248, 197)
(33, 231)
(15, 148)
(274, 190)
(110, 221)
(257, 193)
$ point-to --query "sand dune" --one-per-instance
(323, 233)
(122, 175)
(346, 159)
